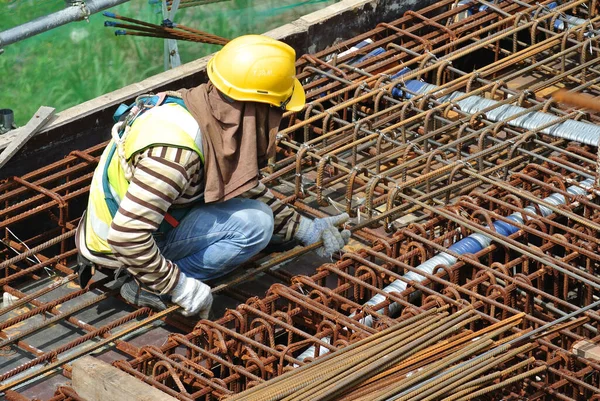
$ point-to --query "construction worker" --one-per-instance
(176, 200)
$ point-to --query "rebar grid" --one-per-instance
(37, 221)
(469, 187)
(496, 289)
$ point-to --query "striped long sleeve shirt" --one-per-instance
(164, 177)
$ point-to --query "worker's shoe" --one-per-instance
(133, 293)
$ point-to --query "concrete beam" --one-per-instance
(95, 380)
(340, 21)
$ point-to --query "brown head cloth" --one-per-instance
(237, 137)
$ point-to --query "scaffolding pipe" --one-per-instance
(72, 13)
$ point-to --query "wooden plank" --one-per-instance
(39, 119)
(95, 380)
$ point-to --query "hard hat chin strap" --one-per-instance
(286, 101)
(225, 97)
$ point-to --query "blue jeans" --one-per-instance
(213, 239)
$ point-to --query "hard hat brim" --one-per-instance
(298, 99)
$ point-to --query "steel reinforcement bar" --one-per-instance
(469, 188)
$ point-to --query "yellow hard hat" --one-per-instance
(258, 68)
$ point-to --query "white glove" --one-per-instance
(193, 295)
(326, 229)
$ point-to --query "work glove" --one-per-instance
(326, 229)
(193, 296)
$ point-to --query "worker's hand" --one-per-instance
(193, 296)
(326, 229)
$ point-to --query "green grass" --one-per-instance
(81, 60)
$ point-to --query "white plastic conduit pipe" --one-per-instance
(471, 244)
(578, 131)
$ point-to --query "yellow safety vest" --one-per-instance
(151, 127)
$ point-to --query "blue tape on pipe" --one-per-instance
(466, 245)
(397, 92)
(504, 228)
(412, 86)
(400, 73)
(372, 53)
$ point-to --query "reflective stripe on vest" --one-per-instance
(166, 125)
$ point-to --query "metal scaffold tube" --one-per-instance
(76, 12)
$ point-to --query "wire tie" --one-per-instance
(432, 55)
(301, 289)
(332, 203)
(85, 10)
(22, 243)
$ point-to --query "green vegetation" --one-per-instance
(81, 60)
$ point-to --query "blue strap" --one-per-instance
(174, 99)
(149, 102)
(111, 203)
(121, 110)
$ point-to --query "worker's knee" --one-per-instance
(258, 223)
(264, 224)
